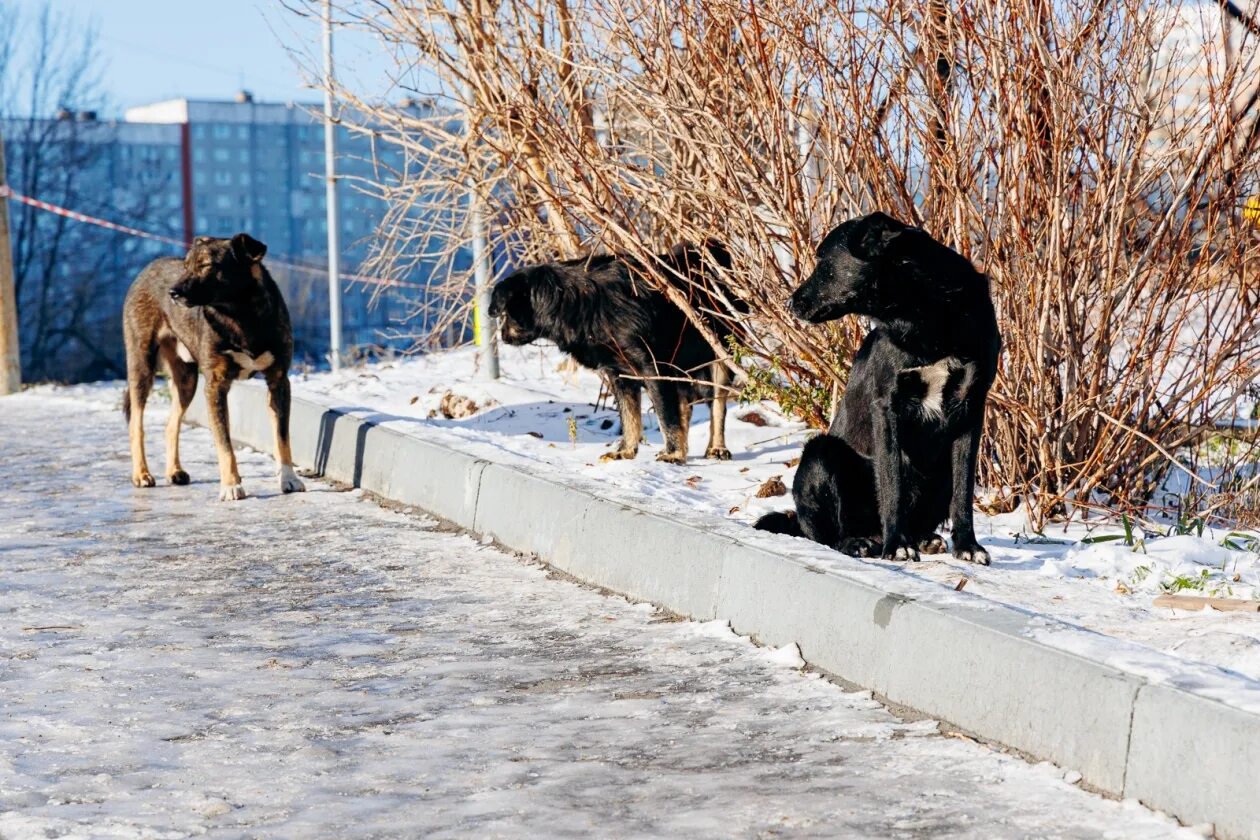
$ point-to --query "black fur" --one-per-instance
(603, 311)
(900, 456)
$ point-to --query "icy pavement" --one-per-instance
(316, 665)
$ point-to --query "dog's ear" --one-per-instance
(873, 234)
(248, 249)
(718, 253)
(546, 292)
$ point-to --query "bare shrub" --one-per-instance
(1092, 157)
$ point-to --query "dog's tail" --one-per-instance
(126, 404)
(780, 522)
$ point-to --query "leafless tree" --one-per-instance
(1096, 173)
(69, 277)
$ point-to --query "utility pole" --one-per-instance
(334, 217)
(10, 351)
(485, 328)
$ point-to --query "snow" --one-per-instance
(316, 665)
(524, 419)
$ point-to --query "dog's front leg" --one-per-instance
(217, 387)
(280, 399)
(667, 400)
(717, 414)
(963, 454)
(889, 481)
(630, 407)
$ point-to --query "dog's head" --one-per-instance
(520, 301)
(219, 271)
(851, 275)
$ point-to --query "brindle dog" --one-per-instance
(217, 311)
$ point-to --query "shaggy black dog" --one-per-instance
(900, 456)
(603, 311)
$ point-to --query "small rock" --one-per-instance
(754, 418)
(414, 400)
(538, 435)
(694, 480)
(773, 486)
(605, 424)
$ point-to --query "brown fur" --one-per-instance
(221, 307)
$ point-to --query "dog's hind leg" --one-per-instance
(834, 493)
(280, 399)
(717, 414)
(217, 387)
(141, 358)
(629, 394)
(667, 399)
(183, 387)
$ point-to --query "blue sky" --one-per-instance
(162, 49)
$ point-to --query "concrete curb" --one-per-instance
(1004, 674)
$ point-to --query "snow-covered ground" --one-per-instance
(316, 665)
(545, 419)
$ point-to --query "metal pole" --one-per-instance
(10, 352)
(485, 328)
(330, 175)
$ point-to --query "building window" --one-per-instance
(242, 132)
(222, 131)
(222, 178)
(199, 155)
(222, 155)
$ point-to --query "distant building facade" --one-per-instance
(185, 168)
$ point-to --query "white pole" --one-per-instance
(330, 176)
(485, 327)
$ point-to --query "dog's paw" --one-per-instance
(860, 547)
(619, 455)
(179, 478)
(231, 492)
(932, 544)
(900, 548)
(971, 552)
(718, 453)
(289, 481)
(672, 458)
(143, 479)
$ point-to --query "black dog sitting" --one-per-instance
(900, 455)
(602, 311)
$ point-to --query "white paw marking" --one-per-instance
(250, 365)
(183, 352)
(934, 378)
(979, 556)
(906, 553)
(289, 481)
(231, 492)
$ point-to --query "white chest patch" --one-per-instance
(935, 378)
(250, 365)
(183, 352)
